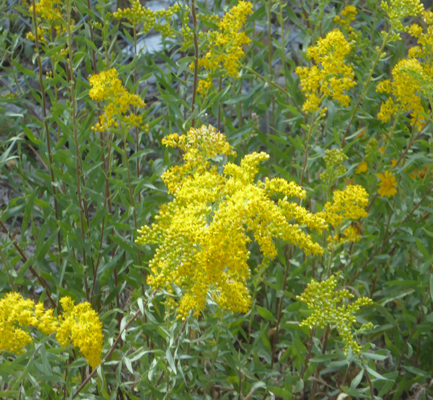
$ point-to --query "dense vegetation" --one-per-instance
(243, 213)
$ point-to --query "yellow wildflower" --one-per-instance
(352, 234)
(202, 235)
(106, 86)
(347, 15)
(331, 76)
(387, 184)
(138, 14)
(412, 77)
(362, 167)
(17, 313)
(347, 204)
(399, 9)
(224, 47)
(48, 13)
(324, 302)
(80, 325)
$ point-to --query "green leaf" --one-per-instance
(375, 374)
(266, 314)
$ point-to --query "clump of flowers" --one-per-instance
(106, 86)
(334, 159)
(203, 234)
(16, 314)
(331, 76)
(330, 307)
(347, 205)
(159, 20)
(397, 10)
(49, 16)
(80, 325)
(224, 46)
(387, 184)
(411, 80)
(347, 16)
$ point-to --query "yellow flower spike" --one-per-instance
(325, 303)
(362, 167)
(387, 184)
(48, 13)
(347, 204)
(80, 325)
(17, 313)
(203, 234)
(106, 86)
(399, 9)
(224, 48)
(331, 76)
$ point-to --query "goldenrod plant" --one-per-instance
(216, 199)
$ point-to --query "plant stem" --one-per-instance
(47, 132)
(270, 59)
(7, 269)
(194, 90)
(208, 384)
(77, 150)
(367, 82)
(137, 141)
(313, 118)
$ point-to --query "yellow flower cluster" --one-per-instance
(49, 16)
(202, 235)
(106, 86)
(411, 79)
(330, 76)
(138, 14)
(224, 46)
(347, 16)
(17, 313)
(334, 159)
(399, 9)
(347, 204)
(80, 325)
(324, 302)
(387, 184)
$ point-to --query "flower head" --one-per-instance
(325, 303)
(80, 325)
(331, 76)
(224, 46)
(362, 167)
(387, 184)
(348, 204)
(396, 10)
(106, 86)
(203, 234)
(49, 16)
(16, 314)
(138, 14)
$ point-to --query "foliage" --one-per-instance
(245, 214)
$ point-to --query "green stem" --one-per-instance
(47, 132)
(77, 149)
(367, 82)
(206, 390)
(7, 269)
